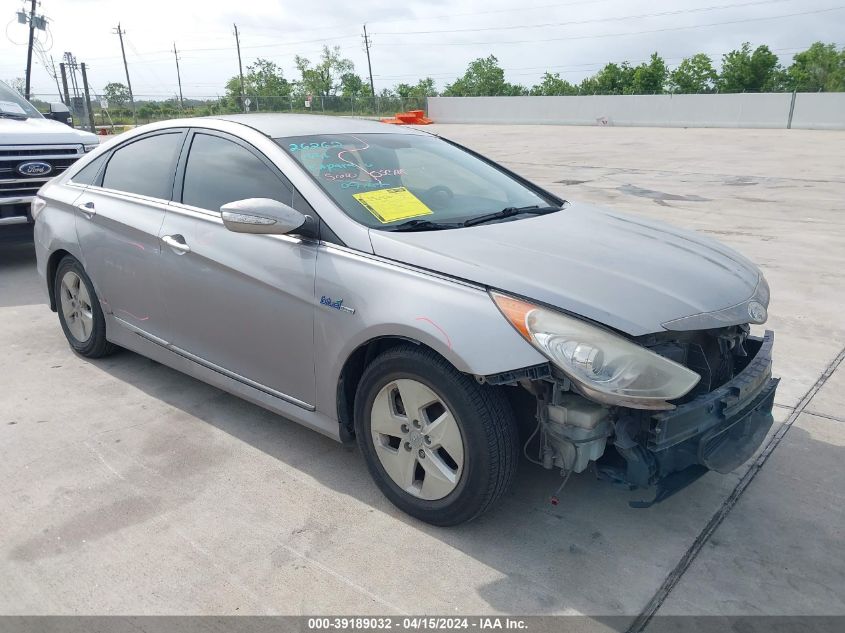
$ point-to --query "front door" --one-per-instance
(239, 302)
(117, 223)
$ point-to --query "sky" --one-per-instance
(411, 38)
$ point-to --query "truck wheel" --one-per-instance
(79, 310)
(440, 446)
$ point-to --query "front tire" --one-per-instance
(79, 310)
(440, 446)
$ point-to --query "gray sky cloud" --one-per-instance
(412, 38)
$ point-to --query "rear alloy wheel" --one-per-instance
(79, 310)
(440, 446)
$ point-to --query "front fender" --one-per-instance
(54, 231)
(362, 297)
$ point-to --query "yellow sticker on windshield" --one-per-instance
(390, 205)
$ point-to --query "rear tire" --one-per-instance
(79, 310)
(440, 446)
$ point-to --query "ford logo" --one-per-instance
(34, 168)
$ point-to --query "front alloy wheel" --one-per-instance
(417, 439)
(439, 445)
(76, 307)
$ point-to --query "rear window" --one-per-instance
(381, 180)
(145, 167)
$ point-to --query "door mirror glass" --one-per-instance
(261, 215)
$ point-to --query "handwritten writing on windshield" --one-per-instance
(375, 174)
(295, 147)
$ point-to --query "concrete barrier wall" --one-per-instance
(768, 110)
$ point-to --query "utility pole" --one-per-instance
(29, 49)
(89, 110)
(369, 65)
(120, 33)
(240, 66)
(70, 64)
(56, 77)
(178, 76)
(64, 84)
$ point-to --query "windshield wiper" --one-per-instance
(13, 115)
(509, 212)
(424, 225)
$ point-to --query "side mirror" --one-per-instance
(61, 113)
(261, 215)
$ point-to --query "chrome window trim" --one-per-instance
(211, 216)
(125, 195)
(199, 360)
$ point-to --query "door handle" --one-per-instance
(88, 209)
(177, 243)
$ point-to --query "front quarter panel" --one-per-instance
(456, 319)
(55, 227)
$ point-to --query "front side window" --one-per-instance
(219, 171)
(382, 180)
(145, 167)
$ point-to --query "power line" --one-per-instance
(625, 33)
(591, 20)
(573, 68)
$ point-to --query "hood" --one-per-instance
(40, 131)
(629, 273)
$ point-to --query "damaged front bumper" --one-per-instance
(719, 430)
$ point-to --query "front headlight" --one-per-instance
(603, 366)
(91, 147)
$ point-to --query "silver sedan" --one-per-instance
(384, 285)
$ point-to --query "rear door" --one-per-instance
(240, 303)
(118, 221)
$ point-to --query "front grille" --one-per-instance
(14, 184)
(37, 151)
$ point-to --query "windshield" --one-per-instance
(13, 104)
(384, 180)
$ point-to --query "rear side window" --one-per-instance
(88, 174)
(220, 171)
(145, 167)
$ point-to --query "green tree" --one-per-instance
(613, 79)
(693, 75)
(18, 84)
(484, 77)
(552, 84)
(745, 70)
(820, 67)
(351, 85)
(423, 88)
(648, 78)
(324, 77)
(263, 78)
(116, 93)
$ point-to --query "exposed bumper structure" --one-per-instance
(717, 431)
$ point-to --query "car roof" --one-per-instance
(282, 125)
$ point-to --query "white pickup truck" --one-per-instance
(33, 149)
